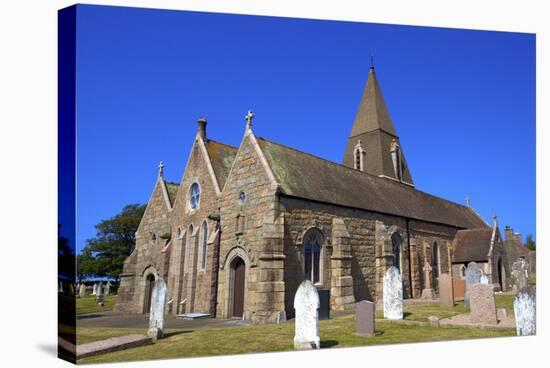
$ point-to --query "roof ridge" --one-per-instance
(208, 140)
(397, 184)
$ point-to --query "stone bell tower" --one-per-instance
(373, 144)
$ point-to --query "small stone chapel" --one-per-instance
(246, 225)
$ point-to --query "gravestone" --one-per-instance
(483, 309)
(99, 298)
(446, 291)
(60, 287)
(306, 305)
(82, 291)
(520, 274)
(108, 288)
(428, 292)
(364, 318)
(393, 294)
(473, 276)
(156, 316)
(94, 292)
(525, 311)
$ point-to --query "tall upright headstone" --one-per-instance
(446, 291)
(525, 312)
(520, 274)
(473, 276)
(99, 297)
(94, 292)
(60, 287)
(428, 292)
(483, 308)
(156, 316)
(364, 318)
(108, 288)
(306, 306)
(393, 294)
(82, 290)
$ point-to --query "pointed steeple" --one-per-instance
(373, 145)
(372, 113)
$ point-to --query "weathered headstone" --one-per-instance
(520, 275)
(428, 292)
(483, 309)
(446, 291)
(99, 297)
(525, 311)
(306, 306)
(473, 276)
(364, 318)
(94, 292)
(82, 290)
(156, 316)
(502, 313)
(108, 288)
(393, 294)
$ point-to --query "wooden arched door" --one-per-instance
(239, 273)
(149, 283)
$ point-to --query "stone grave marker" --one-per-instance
(82, 290)
(108, 288)
(483, 309)
(60, 287)
(428, 292)
(99, 298)
(446, 291)
(525, 311)
(393, 294)
(306, 306)
(94, 292)
(520, 274)
(156, 316)
(473, 276)
(364, 318)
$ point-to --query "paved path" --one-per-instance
(109, 319)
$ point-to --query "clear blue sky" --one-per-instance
(463, 102)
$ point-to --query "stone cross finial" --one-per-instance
(161, 169)
(249, 117)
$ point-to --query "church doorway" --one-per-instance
(239, 269)
(149, 283)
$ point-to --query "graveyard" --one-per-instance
(337, 332)
(104, 336)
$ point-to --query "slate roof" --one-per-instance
(172, 189)
(472, 245)
(372, 113)
(309, 177)
(222, 157)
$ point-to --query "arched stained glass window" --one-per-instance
(203, 245)
(195, 196)
(313, 242)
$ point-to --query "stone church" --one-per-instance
(246, 225)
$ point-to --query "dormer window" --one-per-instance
(359, 157)
(194, 196)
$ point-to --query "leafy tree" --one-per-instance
(530, 243)
(115, 240)
(65, 256)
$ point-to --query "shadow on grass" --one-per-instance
(86, 316)
(328, 343)
(406, 314)
(175, 333)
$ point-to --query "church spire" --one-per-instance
(373, 127)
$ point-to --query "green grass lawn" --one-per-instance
(334, 333)
(88, 304)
